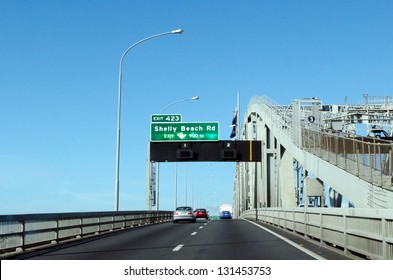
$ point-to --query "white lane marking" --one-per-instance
(194, 233)
(178, 247)
(201, 227)
(308, 252)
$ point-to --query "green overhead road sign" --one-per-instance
(161, 118)
(184, 131)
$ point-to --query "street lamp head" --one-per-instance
(177, 31)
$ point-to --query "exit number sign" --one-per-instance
(173, 118)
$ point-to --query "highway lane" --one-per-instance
(213, 240)
(237, 240)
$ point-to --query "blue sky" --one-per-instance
(59, 80)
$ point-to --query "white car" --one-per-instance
(184, 213)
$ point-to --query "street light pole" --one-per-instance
(194, 98)
(177, 31)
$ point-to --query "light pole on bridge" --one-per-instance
(177, 31)
(194, 98)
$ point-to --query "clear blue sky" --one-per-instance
(59, 80)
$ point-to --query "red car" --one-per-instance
(201, 213)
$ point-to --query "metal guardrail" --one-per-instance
(364, 232)
(281, 116)
(365, 157)
(21, 232)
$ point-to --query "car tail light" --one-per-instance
(175, 213)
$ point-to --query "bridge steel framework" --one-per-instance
(292, 134)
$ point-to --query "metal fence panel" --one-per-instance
(367, 232)
(19, 232)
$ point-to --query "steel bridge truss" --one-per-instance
(302, 155)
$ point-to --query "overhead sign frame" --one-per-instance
(222, 150)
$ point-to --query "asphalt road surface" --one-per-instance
(203, 240)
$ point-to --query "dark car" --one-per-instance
(379, 134)
(225, 215)
(201, 213)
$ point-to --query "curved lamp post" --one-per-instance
(183, 100)
(177, 31)
(158, 165)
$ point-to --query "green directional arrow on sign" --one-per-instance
(207, 131)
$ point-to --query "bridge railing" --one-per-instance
(365, 157)
(368, 158)
(22, 232)
(281, 116)
(364, 232)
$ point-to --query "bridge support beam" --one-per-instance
(286, 179)
(268, 183)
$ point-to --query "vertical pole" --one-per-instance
(186, 184)
(256, 193)
(118, 138)
(380, 163)
(157, 185)
(390, 160)
(192, 191)
(237, 163)
(237, 118)
(175, 200)
(148, 183)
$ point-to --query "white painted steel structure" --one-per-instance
(358, 169)
(303, 153)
